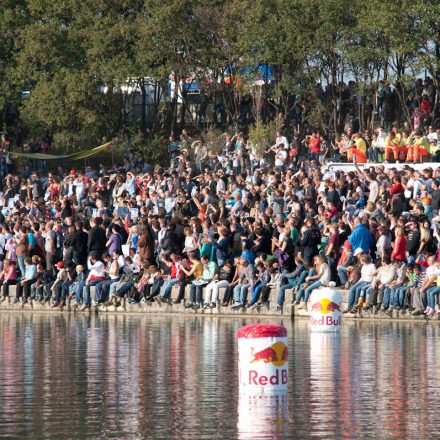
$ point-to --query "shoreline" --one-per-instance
(160, 308)
(222, 312)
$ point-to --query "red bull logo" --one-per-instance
(278, 378)
(325, 306)
(325, 321)
(277, 354)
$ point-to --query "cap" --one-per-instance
(72, 172)
(60, 264)
(261, 331)
(348, 245)
(358, 251)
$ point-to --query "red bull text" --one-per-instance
(325, 310)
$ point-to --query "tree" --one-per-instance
(13, 16)
(72, 57)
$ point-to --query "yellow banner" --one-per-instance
(74, 156)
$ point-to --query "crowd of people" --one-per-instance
(226, 228)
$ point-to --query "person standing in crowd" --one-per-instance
(96, 240)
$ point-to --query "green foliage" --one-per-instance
(261, 135)
(154, 149)
(73, 56)
(214, 139)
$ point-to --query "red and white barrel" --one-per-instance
(325, 310)
(262, 358)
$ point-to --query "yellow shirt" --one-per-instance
(407, 141)
(423, 142)
(361, 145)
(198, 269)
(390, 142)
(433, 149)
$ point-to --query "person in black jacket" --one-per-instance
(310, 239)
(168, 244)
(96, 239)
(79, 241)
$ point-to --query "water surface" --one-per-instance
(75, 377)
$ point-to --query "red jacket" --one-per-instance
(399, 249)
(397, 188)
(425, 107)
(314, 145)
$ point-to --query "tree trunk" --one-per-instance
(183, 106)
(143, 107)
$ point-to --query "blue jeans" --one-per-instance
(301, 281)
(354, 292)
(430, 295)
(372, 154)
(304, 275)
(122, 288)
(397, 296)
(102, 290)
(255, 293)
(77, 289)
(167, 286)
(364, 290)
(386, 301)
(282, 291)
(240, 293)
(21, 265)
(342, 274)
(86, 291)
(315, 285)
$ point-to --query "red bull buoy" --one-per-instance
(262, 358)
(325, 310)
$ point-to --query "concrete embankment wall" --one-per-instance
(157, 307)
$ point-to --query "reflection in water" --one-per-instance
(117, 376)
(263, 416)
(325, 355)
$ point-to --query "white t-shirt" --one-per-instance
(432, 271)
(380, 141)
(432, 136)
(324, 271)
(367, 272)
(374, 191)
(383, 244)
(96, 270)
(280, 158)
(417, 188)
(2, 244)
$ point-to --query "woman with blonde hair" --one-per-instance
(371, 207)
(318, 277)
(425, 238)
(190, 241)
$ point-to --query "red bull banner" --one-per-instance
(325, 310)
(263, 358)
